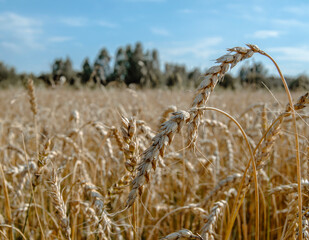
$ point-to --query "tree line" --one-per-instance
(134, 65)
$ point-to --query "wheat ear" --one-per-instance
(150, 156)
(210, 80)
(178, 119)
(208, 229)
(59, 205)
(182, 234)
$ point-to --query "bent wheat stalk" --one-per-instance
(168, 129)
(265, 144)
(295, 137)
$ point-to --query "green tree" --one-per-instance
(8, 75)
(86, 73)
(102, 68)
(175, 75)
(254, 75)
(301, 82)
(136, 68)
(120, 67)
(194, 77)
(62, 71)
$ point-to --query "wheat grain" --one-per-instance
(182, 234)
(208, 229)
(59, 206)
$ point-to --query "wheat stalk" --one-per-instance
(175, 123)
(182, 234)
(59, 206)
(208, 229)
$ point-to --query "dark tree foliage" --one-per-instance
(62, 72)
(86, 72)
(120, 67)
(134, 65)
(101, 69)
(193, 77)
(253, 75)
(175, 75)
(229, 82)
(8, 73)
(301, 82)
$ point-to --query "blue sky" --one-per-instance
(193, 32)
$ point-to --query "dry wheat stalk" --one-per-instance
(109, 147)
(117, 137)
(68, 140)
(264, 118)
(140, 124)
(264, 151)
(210, 80)
(130, 145)
(17, 149)
(208, 230)
(307, 161)
(32, 98)
(118, 188)
(101, 129)
(217, 124)
(306, 224)
(194, 207)
(59, 205)
(92, 194)
(97, 201)
(170, 127)
(21, 169)
(182, 234)
(21, 172)
(150, 156)
(75, 117)
(46, 158)
(222, 185)
(166, 113)
(229, 148)
(251, 108)
(92, 219)
(286, 189)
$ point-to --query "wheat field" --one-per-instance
(154, 164)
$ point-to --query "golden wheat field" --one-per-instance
(154, 164)
(89, 141)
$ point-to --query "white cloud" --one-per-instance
(19, 32)
(160, 31)
(201, 48)
(263, 34)
(295, 54)
(297, 10)
(192, 53)
(289, 23)
(10, 46)
(107, 24)
(74, 21)
(258, 9)
(59, 39)
(81, 22)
